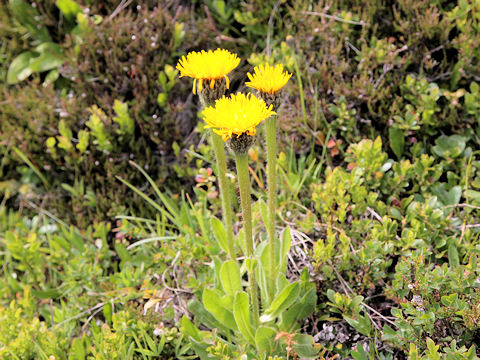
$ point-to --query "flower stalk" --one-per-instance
(219, 149)
(268, 80)
(271, 142)
(241, 160)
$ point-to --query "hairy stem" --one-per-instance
(271, 140)
(219, 149)
(241, 160)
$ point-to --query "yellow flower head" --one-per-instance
(237, 114)
(268, 79)
(208, 66)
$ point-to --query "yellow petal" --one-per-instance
(237, 114)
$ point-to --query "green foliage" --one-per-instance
(52, 269)
(123, 119)
(47, 55)
(433, 352)
(23, 335)
(350, 310)
(435, 283)
(167, 80)
(96, 124)
(423, 96)
(230, 315)
(442, 300)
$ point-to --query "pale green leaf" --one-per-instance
(285, 299)
(265, 339)
(219, 232)
(241, 311)
(213, 303)
(230, 277)
(19, 68)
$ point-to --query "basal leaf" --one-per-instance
(286, 298)
(213, 303)
(241, 311)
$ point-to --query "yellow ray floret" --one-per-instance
(237, 114)
(208, 66)
(268, 79)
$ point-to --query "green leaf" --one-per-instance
(162, 99)
(122, 251)
(150, 342)
(261, 271)
(50, 57)
(283, 249)
(47, 56)
(449, 300)
(213, 303)
(19, 68)
(200, 349)
(300, 310)
(69, 8)
(451, 197)
(219, 232)
(51, 77)
(74, 237)
(360, 353)
(432, 348)
(190, 329)
(389, 334)
(230, 277)
(145, 352)
(397, 141)
(241, 311)
(449, 146)
(203, 316)
(304, 346)
(77, 351)
(107, 312)
(31, 166)
(265, 339)
(83, 136)
(362, 324)
(286, 298)
(282, 282)
(473, 194)
(453, 255)
(127, 125)
(47, 294)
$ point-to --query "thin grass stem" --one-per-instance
(300, 91)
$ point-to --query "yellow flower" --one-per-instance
(237, 114)
(208, 66)
(268, 79)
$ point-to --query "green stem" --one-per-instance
(241, 160)
(219, 149)
(271, 140)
